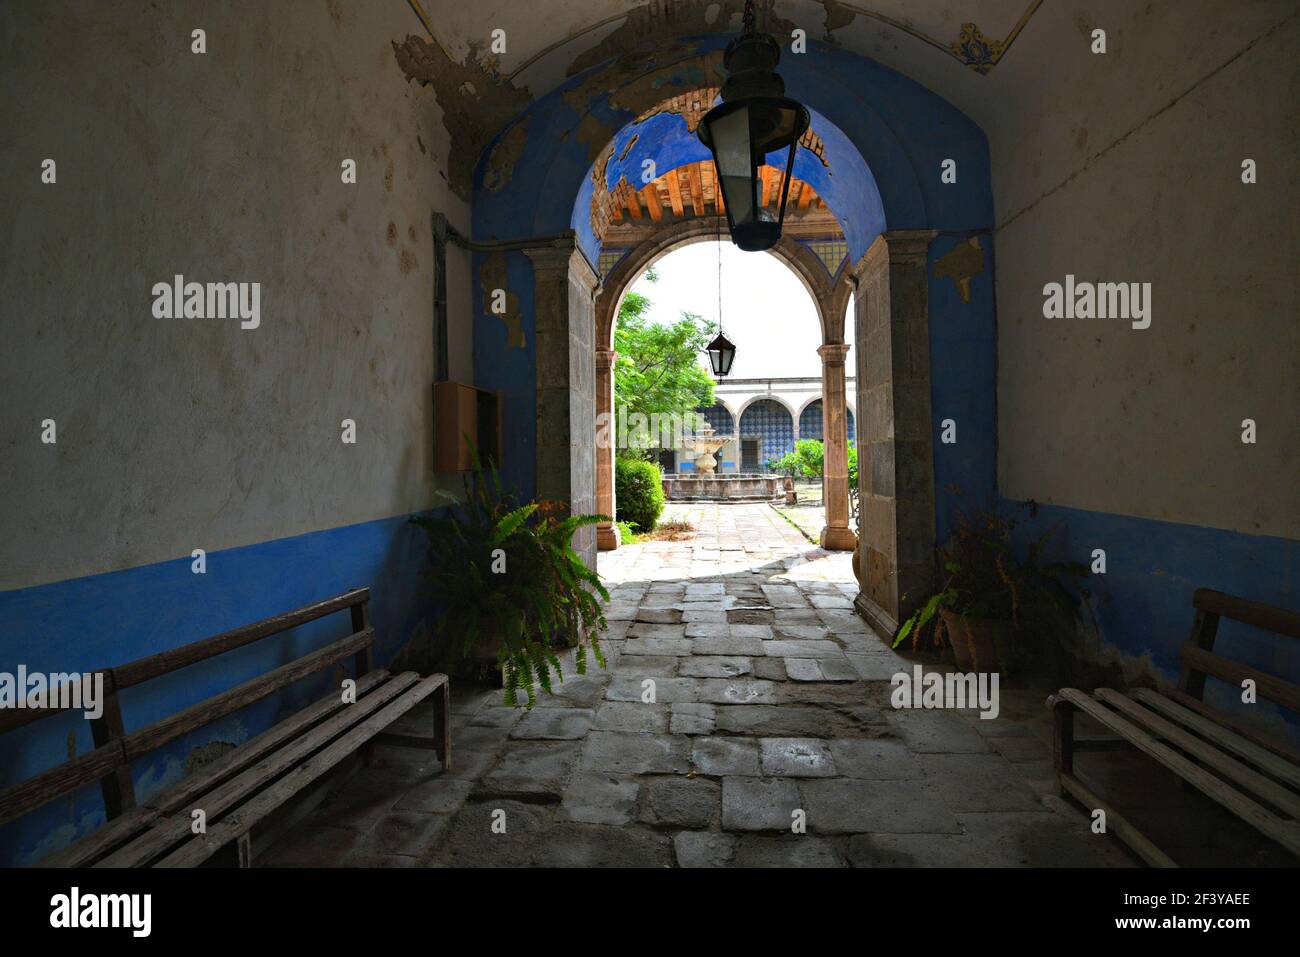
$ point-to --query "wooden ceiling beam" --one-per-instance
(697, 188)
(814, 224)
(621, 212)
(675, 193)
(653, 204)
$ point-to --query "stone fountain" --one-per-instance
(704, 443)
(706, 484)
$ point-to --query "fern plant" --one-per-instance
(502, 571)
(984, 579)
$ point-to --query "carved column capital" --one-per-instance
(834, 353)
(910, 245)
(897, 245)
(567, 260)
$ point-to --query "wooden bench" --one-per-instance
(242, 787)
(1253, 775)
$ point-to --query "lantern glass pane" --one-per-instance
(734, 160)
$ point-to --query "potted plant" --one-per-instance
(510, 587)
(988, 599)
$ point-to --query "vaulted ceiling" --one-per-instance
(947, 45)
(547, 42)
(1022, 70)
(489, 59)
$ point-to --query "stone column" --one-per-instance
(564, 288)
(895, 452)
(607, 537)
(836, 536)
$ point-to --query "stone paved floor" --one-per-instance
(808, 512)
(771, 697)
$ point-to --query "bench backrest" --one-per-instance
(115, 749)
(1200, 661)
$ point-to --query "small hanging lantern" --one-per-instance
(721, 354)
(754, 119)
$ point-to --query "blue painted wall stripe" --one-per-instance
(1143, 604)
(104, 620)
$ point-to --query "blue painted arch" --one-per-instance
(843, 181)
(886, 138)
(900, 131)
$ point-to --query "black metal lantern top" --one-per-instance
(754, 119)
(721, 354)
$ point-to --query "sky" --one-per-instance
(766, 311)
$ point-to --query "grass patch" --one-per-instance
(799, 528)
(675, 531)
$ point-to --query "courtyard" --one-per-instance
(322, 317)
(771, 699)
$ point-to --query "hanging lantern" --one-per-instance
(755, 119)
(721, 355)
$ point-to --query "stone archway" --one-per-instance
(880, 132)
(830, 296)
(895, 441)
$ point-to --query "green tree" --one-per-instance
(787, 464)
(811, 456)
(658, 370)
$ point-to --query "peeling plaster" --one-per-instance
(838, 17)
(206, 754)
(960, 264)
(476, 102)
(504, 156)
(492, 276)
(649, 26)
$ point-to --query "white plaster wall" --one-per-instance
(1126, 167)
(224, 166)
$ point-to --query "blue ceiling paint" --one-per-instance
(844, 181)
(880, 127)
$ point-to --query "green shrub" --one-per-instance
(638, 492)
(787, 464)
(811, 455)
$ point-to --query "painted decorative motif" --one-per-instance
(976, 50)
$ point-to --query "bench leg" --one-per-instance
(442, 724)
(244, 847)
(1062, 740)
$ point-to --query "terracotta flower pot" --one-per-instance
(857, 567)
(978, 644)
